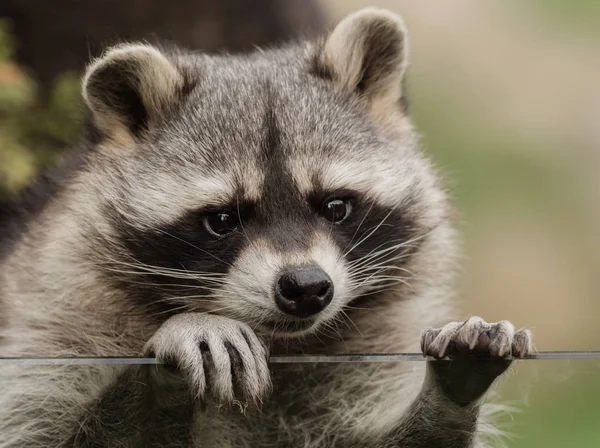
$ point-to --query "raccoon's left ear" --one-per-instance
(130, 88)
(366, 54)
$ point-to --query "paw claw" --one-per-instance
(427, 337)
(522, 344)
(470, 331)
(438, 347)
(500, 347)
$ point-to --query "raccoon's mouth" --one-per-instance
(288, 328)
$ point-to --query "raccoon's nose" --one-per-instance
(303, 292)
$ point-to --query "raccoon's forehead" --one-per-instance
(241, 124)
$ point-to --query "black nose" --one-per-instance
(303, 292)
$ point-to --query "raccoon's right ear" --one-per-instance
(130, 88)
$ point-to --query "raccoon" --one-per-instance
(224, 208)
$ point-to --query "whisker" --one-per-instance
(145, 270)
(379, 291)
(351, 307)
(362, 240)
(402, 245)
(360, 224)
(376, 257)
(171, 310)
(166, 287)
(380, 267)
(347, 317)
(151, 268)
(330, 326)
(195, 247)
(375, 277)
(237, 201)
(396, 280)
(398, 242)
(190, 307)
(197, 297)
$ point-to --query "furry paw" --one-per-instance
(464, 379)
(217, 356)
(476, 336)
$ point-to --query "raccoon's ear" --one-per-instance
(366, 53)
(129, 88)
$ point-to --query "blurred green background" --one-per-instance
(507, 96)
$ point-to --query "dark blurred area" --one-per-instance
(62, 35)
(45, 45)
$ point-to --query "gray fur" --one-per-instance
(98, 270)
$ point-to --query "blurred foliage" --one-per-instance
(33, 129)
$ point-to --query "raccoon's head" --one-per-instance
(275, 188)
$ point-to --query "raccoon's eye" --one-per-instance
(336, 210)
(220, 223)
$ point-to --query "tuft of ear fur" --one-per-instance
(366, 54)
(129, 88)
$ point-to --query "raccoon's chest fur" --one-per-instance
(315, 406)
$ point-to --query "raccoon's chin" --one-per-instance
(288, 329)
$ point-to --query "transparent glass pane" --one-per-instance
(557, 401)
(546, 403)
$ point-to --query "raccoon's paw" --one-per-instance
(217, 356)
(476, 336)
(465, 378)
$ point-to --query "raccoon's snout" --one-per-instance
(302, 292)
